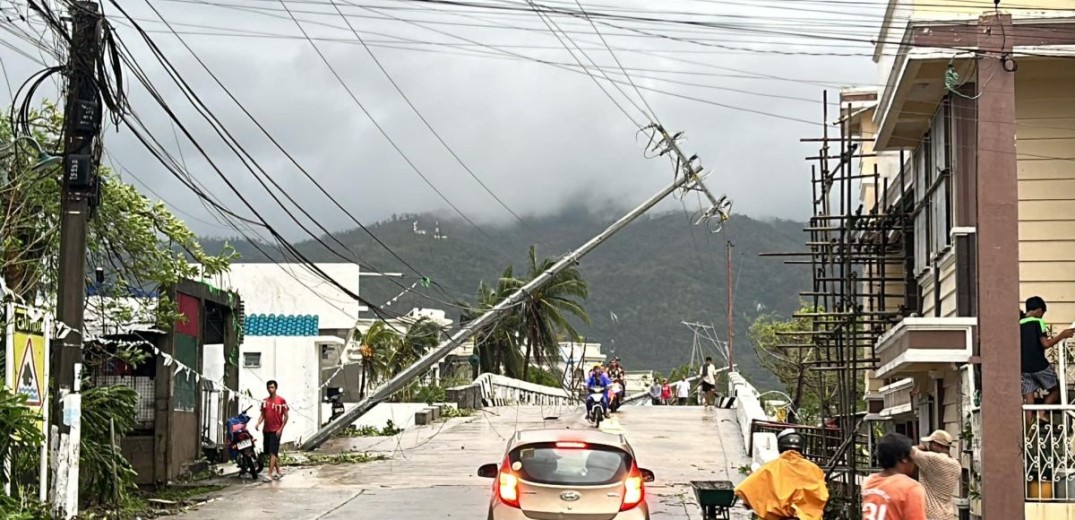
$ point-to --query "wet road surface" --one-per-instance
(430, 472)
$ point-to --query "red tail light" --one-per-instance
(507, 485)
(634, 490)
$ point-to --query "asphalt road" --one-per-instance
(431, 470)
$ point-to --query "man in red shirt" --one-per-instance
(274, 416)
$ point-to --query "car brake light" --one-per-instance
(633, 490)
(508, 485)
(571, 445)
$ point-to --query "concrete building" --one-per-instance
(974, 128)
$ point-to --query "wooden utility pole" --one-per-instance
(731, 320)
(79, 194)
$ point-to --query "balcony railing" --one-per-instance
(1049, 456)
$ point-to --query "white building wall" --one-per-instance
(293, 362)
(293, 289)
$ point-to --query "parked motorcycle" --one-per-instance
(596, 403)
(242, 446)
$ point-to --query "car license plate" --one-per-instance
(244, 445)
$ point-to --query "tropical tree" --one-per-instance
(139, 244)
(378, 344)
(545, 315)
(497, 343)
(811, 391)
(419, 339)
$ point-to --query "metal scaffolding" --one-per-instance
(860, 251)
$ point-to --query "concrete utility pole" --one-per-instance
(79, 193)
(731, 297)
(688, 176)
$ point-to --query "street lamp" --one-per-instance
(43, 158)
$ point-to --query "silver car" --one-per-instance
(568, 475)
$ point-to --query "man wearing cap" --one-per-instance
(939, 474)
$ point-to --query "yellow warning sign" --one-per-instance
(28, 380)
(28, 352)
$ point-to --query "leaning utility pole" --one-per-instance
(688, 176)
(731, 321)
(79, 193)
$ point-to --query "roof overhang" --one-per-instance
(912, 96)
(916, 82)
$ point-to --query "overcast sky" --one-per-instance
(540, 137)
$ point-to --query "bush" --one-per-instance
(96, 460)
(21, 432)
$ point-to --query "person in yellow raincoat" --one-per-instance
(788, 487)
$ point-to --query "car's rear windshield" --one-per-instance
(570, 466)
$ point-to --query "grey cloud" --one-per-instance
(540, 137)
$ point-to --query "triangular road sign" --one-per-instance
(27, 381)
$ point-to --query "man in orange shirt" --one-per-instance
(892, 494)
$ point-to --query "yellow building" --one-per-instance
(973, 129)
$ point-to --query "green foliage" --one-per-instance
(22, 435)
(541, 376)
(543, 317)
(327, 459)
(391, 353)
(812, 391)
(100, 405)
(25, 508)
(657, 272)
(139, 243)
(388, 430)
(449, 412)
(430, 394)
(537, 325)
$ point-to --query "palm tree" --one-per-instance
(379, 343)
(497, 343)
(420, 338)
(544, 317)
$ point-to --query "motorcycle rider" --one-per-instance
(598, 379)
(788, 487)
(616, 371)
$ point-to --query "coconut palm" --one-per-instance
(420, 338)
(497, 343)
(545, 315)
(379, 344)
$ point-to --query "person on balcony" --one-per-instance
(1038, 374)
(939, 474)
(789, 486)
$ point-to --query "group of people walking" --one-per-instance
(792, 487)
(661, 392)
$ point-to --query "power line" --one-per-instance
(423, 119)
(381, 129)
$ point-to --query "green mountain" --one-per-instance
(644, 282)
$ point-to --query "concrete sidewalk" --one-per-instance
(431, 472)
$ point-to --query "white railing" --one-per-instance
(748, 408)
(496, 390)
(1048, 454)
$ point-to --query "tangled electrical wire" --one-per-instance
(95, 72)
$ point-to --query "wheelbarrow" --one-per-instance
(716, 497)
